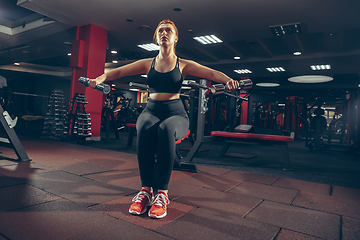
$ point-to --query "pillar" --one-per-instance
(88, 55)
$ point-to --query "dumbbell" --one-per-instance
(221, 88)
(101, 87)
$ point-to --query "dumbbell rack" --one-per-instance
(54, 124)
(79, 122)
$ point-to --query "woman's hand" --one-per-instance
(232, 85)
(94, 82)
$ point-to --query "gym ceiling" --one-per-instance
(38, 35)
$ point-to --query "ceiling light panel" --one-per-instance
(149, 47)
(208, 39)
(276, 69)
(267, 84)
(310, 79)
(320, 67)
(242, 71)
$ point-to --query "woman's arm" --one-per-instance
(197, 70)
(139, 67)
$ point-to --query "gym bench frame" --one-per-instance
(235, 137)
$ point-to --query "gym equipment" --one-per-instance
(56, 116)
(202, 109)
(101, 87)
(79, 121)
(221, 88)
(12, 140)
(231, 137)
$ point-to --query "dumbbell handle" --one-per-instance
(220, 88)
(101, 87)
(143, 86)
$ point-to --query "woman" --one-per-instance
(164, 120)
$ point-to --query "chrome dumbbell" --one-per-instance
(221, 88)
(101, 87)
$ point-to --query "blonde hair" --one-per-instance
(165, 21)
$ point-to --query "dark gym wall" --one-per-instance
(40, 85)
(32, 84)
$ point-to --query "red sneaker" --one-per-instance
(159, 205)
(140, 202)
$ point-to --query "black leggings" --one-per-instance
(159, 125)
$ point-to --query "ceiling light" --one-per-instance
(149, 47)
(114, 52)
(114, 61)
(242, 71)
(276, 69)
(134, 89)
(208, 39)
(310, 79)
(236, 58)
(69, 54)
(17, 64)
(144, 76)
(320, 67)
(267, 84)
(297, 53)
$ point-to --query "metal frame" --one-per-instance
(12, 140)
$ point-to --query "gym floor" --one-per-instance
(73, 191)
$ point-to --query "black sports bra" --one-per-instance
(168, 82)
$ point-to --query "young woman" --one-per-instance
(164, 120)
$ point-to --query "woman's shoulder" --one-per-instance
(186, 61)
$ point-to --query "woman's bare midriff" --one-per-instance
(164, 96)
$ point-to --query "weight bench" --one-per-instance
(235, 137)
(178, 165)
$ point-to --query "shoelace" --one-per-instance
(160, 199)
(140, 196)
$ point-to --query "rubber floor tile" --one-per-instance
(177, 175)
(220, 201)
(115, 163)
(350, 228)
(9, 181)
(53, 220)
(119, 229)
(213, 170)
(209, 180)
(78, 189)
(24, 169)
(20, 196)
(250, 177)
(117, 177)
(178, 189)
(286, 235)
(82, 168)
(310, 222)
(206, 224)
(330, 204)
(344, 192)
(303, 185)
(267, 192)
(119, 208)
(4, 162)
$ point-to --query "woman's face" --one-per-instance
(166, 35)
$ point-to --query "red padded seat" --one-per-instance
(252, 136)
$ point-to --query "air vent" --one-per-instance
(286, 29)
